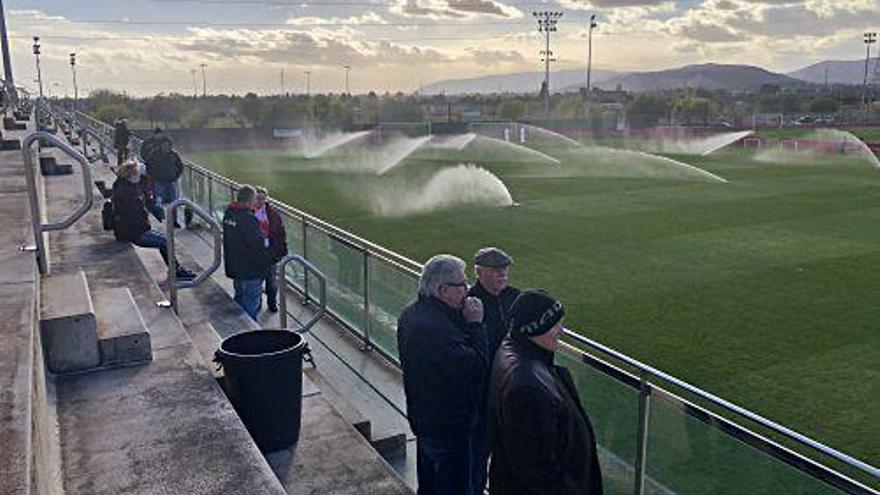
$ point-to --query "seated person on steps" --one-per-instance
(130, 223)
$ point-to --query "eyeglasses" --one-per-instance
(459, 284)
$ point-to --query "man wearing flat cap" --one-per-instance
(492, 266)
(541, 438)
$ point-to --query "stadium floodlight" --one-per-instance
(547, 21)
(73, 71)
(37, 57)
(204, 81)
(4, 45)
(590, 28)
(347, 70)
(870, 39)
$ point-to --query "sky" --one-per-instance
(146, 47)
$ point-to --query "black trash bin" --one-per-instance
(263, 379)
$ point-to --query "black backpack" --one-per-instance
(107, 215)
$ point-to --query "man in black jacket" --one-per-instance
(130, 223)
(164, 167)
(245, 254)
(542, 440)
(493, 290)
(443, 354)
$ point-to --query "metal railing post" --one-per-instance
(642, 437)
(210, 182)
(173, 283)
(34, 196)
(281, 278)
(368, 345)
(305, 255)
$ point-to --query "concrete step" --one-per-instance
(123, 337)
(341, 404)
(68, 326)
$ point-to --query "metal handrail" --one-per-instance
(173, 283)
(281, 276)
(787, 432)
(34, 197)
(413, 268)
(102, 148)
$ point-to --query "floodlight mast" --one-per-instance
(547, 24)
(204, 81)
(347, 70)
(590, 52)
(75, 88)
(4, 45)
(870, 39)
(37, 56)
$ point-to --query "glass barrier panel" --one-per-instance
(391, 289)
(612, 407)
(184, 185)
(221, 196)
(200, 190)
(342, 265)
(688, 456)
(293, 229)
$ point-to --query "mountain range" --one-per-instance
(706, 76)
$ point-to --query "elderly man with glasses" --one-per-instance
(444, 355)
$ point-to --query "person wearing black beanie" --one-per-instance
(541, 438)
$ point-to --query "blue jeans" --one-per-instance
(153, 239)
(444, 463)
(166, 193)
(249, 295)
(272, 286)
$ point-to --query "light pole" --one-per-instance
(590, 52)
(204, 81)
(347, 70)
(308, 74)
(37, 56)
(195, 84)
(870, 38)
(4, 43)
(75, 89)
(282, 81)
(547, 24)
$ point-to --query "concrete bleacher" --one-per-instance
(144, 419)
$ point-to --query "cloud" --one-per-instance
(485, 57)
(367, 18)
(453, 9)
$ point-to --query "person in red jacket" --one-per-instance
(275, 240)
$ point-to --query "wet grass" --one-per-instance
(762, 290)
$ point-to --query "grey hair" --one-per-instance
(246, 194)
(439, 270)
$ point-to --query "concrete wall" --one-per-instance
(46, 476)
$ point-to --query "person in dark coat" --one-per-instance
(164, 167)
(121, 135)
(245, 254)
(443, 353)
(275, 240)
(130, 223)
(542, 440)
(492, 288)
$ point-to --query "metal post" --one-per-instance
(210, 182)
(4, 43)
(305, 257)
(642, 437)
(368, 346)
(171, 278)
(75, 89)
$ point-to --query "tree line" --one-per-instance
(599, 109)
